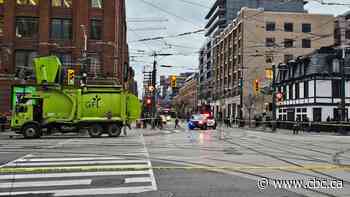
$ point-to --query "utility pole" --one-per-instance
(154, 83)
(273, 98)
(84, 60)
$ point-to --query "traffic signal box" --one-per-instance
(71, 76)
(256, 87)
(173, 81)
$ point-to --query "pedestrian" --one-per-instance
(328, 119)
(296, 127)
(176, 122)
(3, 120)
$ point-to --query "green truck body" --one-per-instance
(49, 105)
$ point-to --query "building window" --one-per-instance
(27, 27)
(336, 91)
(65, 58)
(96, 3)
(270, 26)
(95, 64)
(61, 29)
(306, 89)
(288, 27)
(287, 58)
(268, 58)
(96, 29)
(347, 34)
(24, 59)
(306, 43)
(317, 114)
(61, 3)
(1, 26)
(290, 92)
(28, 2)
(270, 42)
(306, 27)
(288, 43)
(297, 91)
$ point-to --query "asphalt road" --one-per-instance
(174, 162)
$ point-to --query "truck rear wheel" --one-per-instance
(114, 130)
(31, 131)
(95, 131)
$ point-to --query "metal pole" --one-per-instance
(154, 83)
(273, 98)
(343, 104)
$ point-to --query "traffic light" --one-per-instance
(173, 81)
(256, 85)
(71, 76)
(148, 101)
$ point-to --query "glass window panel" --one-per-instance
(67, 29)
(56, 3)
(1, 26)
(96, 3)
(55, 29)
(67, 3)
(27, 27)
(96, 30)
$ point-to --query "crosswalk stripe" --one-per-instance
(67, 159)
(138, 180)
(18, 164)
(45, 183)
(82, 192)
(72, 174)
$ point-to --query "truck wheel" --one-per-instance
(95, 131)
(31, 131)
(114, 130)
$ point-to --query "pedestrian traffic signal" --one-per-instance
(256, 85)
(279, 97)
(173, 81)
(71, 76)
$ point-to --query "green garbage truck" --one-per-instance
(50, 105)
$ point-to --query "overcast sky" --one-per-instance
(181, 16)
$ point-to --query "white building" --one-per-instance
(311, 86)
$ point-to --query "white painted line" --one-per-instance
(81, 192)
(9, 163)
(138, 180)
(72, 174)
(45, 183)
(14, 164)
(154, 183)
(68, 159)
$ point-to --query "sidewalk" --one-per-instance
(280, 131)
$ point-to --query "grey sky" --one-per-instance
(189, 18)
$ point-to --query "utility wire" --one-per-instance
(195, 4)
(169, 13)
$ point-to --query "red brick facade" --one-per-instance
(112, 48)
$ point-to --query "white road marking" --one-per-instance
(80, 192)
(16, 164)
(72, 174)
(67, 159)
(138, 180)
(45, 183)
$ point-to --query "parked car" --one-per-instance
(197, 121)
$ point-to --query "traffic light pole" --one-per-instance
(154, 83)
(274, 118)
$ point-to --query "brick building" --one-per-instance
(185, 101)
(31, 28)
(253, 42)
